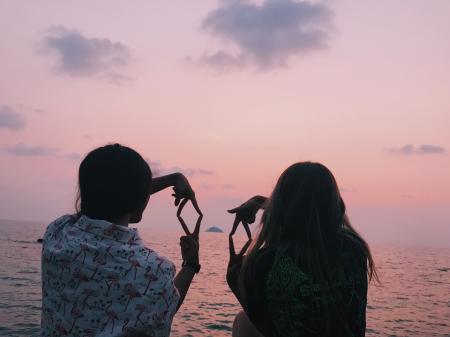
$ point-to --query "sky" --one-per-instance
(231, 93)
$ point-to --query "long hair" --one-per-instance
(305, 217)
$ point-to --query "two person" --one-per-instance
(305, 275)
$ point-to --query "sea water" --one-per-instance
(414, 299)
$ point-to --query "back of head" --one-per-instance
(114, 180)
(306, 217)
(306, 220)
(305, 206)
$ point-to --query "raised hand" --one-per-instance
(189, 248)
(183, 224)
(246, 213)
(183, 192)
(234, 265)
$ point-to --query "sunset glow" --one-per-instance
(363, 88)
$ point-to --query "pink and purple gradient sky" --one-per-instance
(232, 92)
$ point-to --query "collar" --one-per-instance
(108, 230)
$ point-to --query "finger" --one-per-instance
(177, 199)
(195, 204)
(244, 249)
(232, 211)
(231, 246)
(184, 226)
(197, 226)
(180, 208)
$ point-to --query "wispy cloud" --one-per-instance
(24, 150)
(79, 55)
(32, 150)
(424, 149)
(158, 169)
(10, 119)
(266, 34)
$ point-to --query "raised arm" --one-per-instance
(161, 183)
(234, 269)
(189, 252)
(247, 211)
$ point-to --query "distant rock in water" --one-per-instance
(39, 240)
(214, 230)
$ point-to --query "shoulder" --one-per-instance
(257, 270)
(57, 225)
(352, 251)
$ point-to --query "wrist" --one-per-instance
(194, 266)
(260, 200)
(174, 178)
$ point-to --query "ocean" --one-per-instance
(414, 299)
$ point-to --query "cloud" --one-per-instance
(10, 119)
(31, 150)
(79, 55)
(189, 172)
(424, 149)
(24, 150)
(227, 187)
(268, 33)
(158, 169)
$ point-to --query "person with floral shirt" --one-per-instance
(98, 278)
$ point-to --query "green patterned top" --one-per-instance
(289, 302)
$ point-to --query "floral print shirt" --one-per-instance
(98, 279)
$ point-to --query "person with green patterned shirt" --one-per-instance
(307, 271)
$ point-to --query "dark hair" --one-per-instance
(113, 180)
(306, 218)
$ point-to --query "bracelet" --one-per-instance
(195, 266)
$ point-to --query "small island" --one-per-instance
(214, 230)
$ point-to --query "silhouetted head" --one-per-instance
(114, 181)
(306, 217)
(305, 206)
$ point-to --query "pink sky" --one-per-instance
(353, 98)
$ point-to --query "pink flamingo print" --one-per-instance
(109, 231)
(164, 296)
(111, 280)
(161, 261)
(83, 250)
(149, 251)
(80, 277)
(112, 317)
(61, 329)
(75, 313)
(99, 261)
(64, 263)
(150, 277)
(90, 227)
(141, 308)
(108, 251)
(89, 332)
(127, 329)
(131, 292)
(88, 292)
(160, 316)
(64, 300)
(132, 241)
(134, 264)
